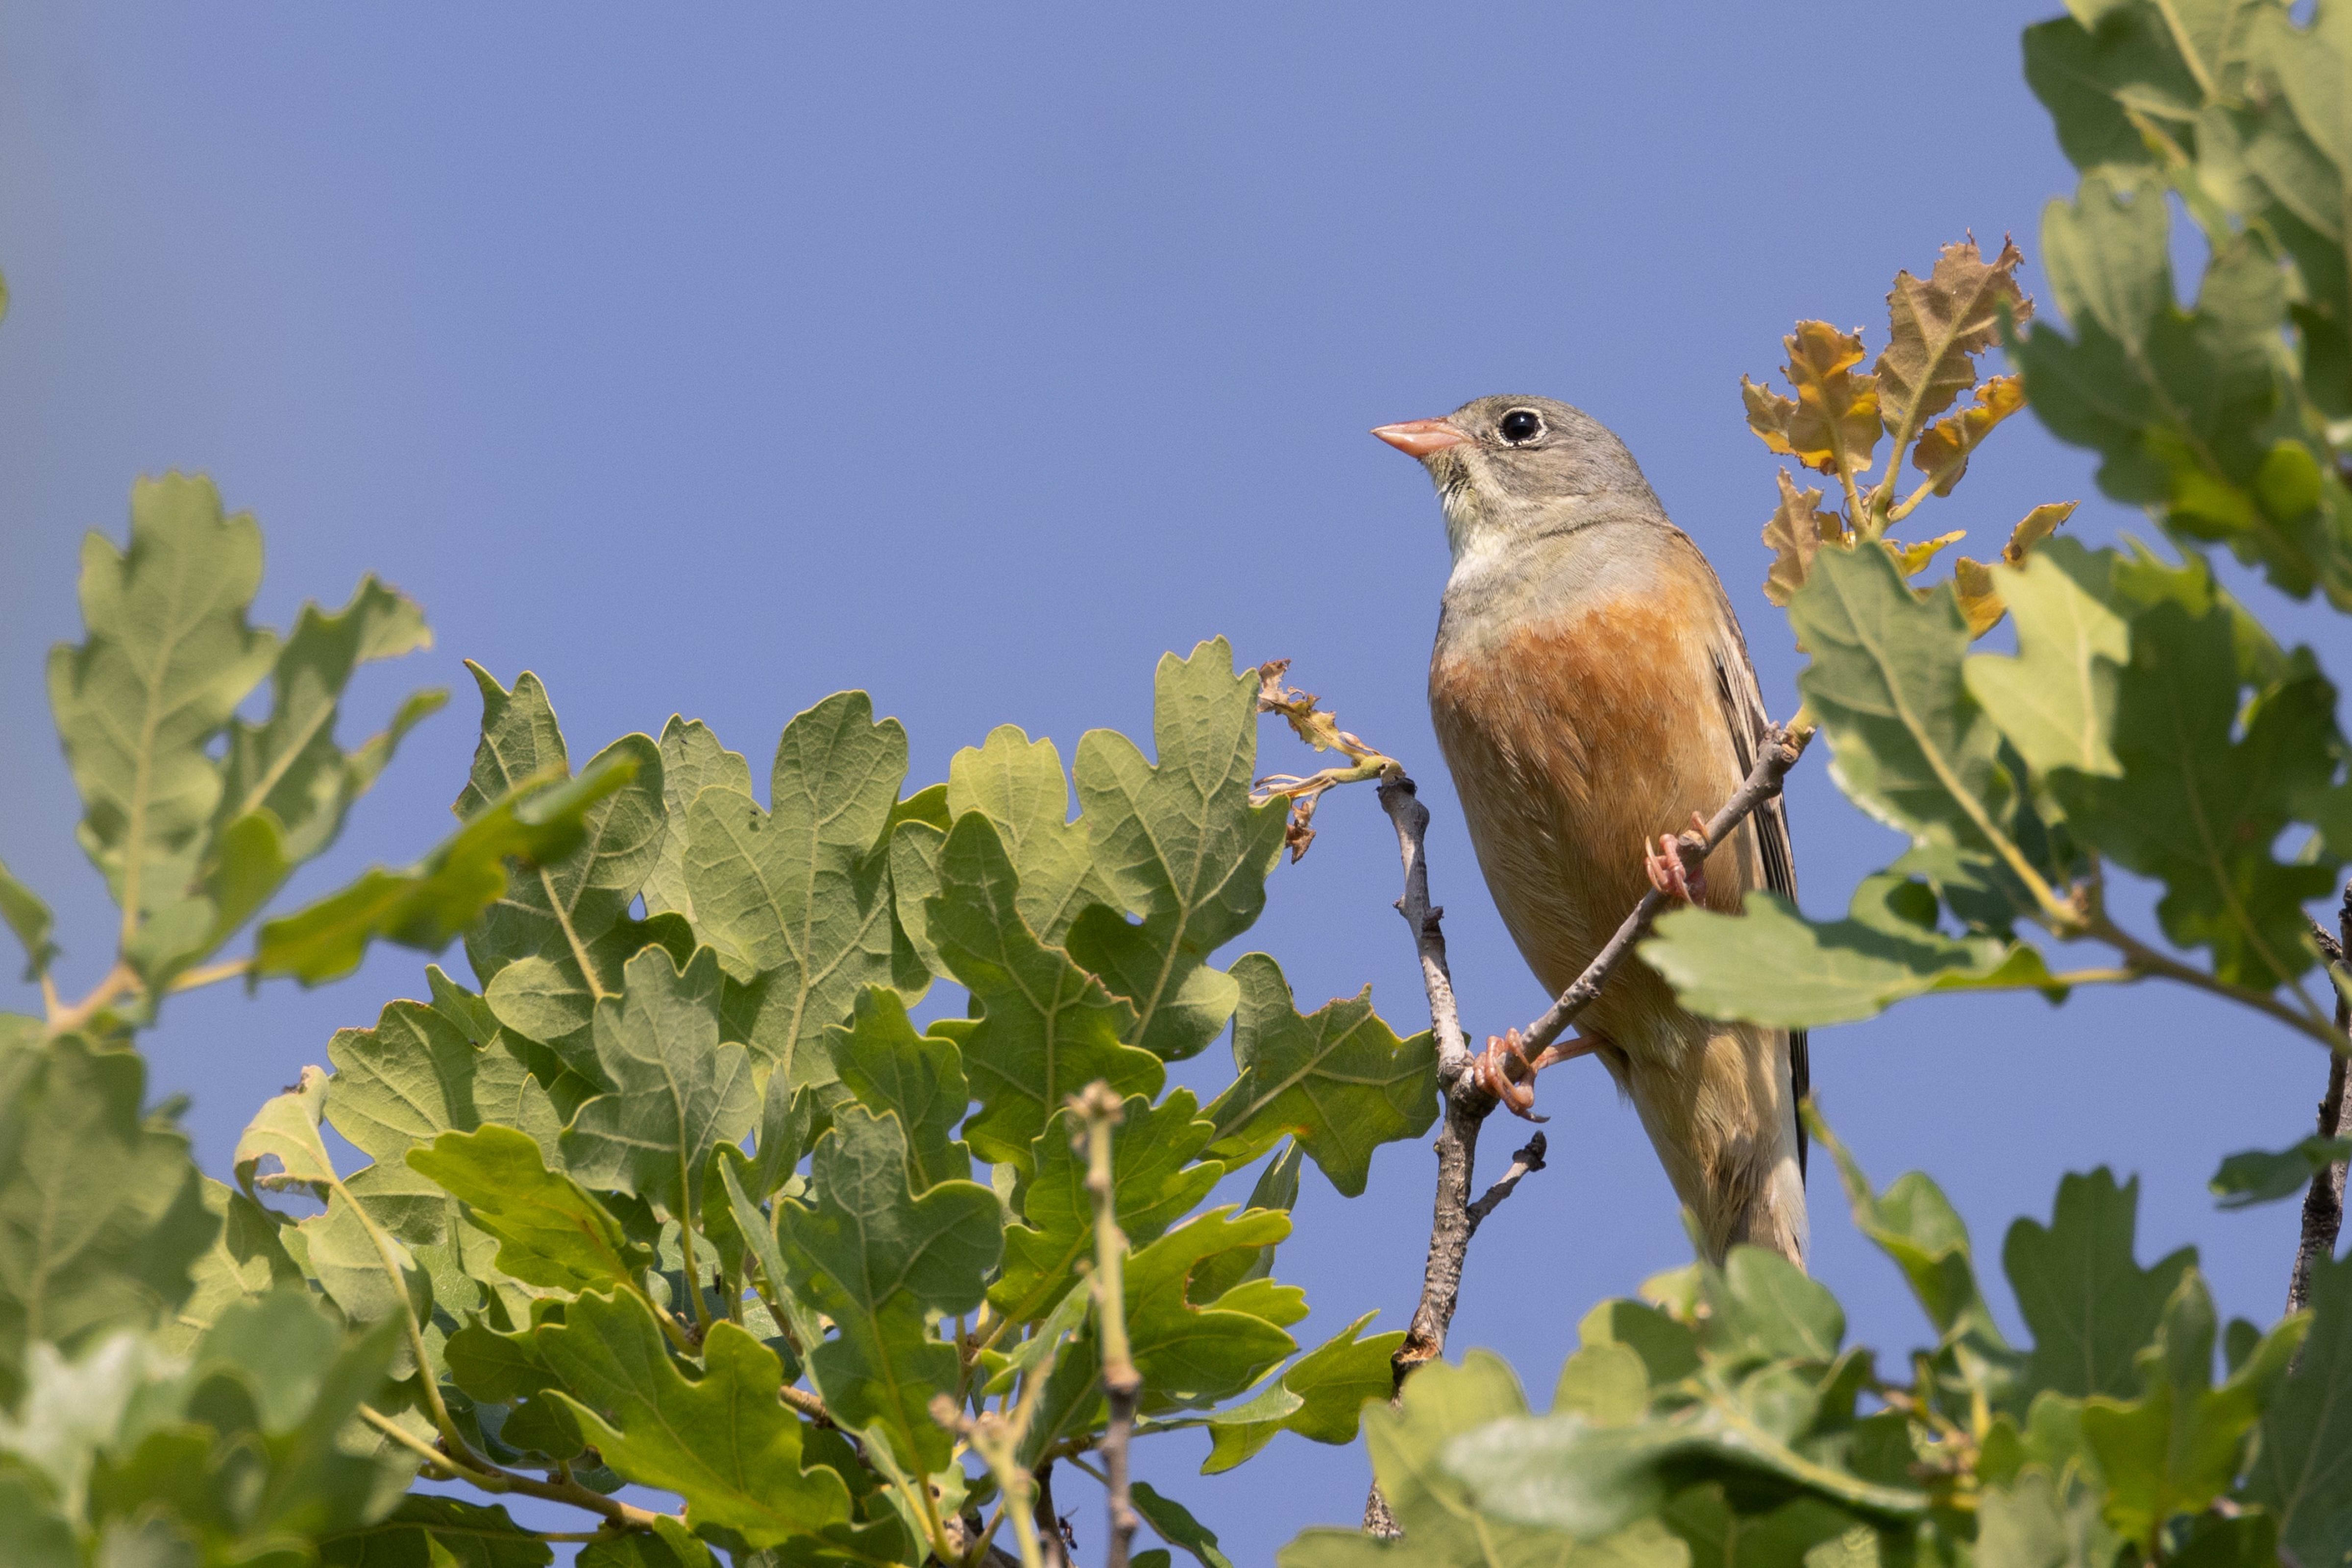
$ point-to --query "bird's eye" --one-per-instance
(1521, 425)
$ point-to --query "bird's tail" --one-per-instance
(1722, 1113)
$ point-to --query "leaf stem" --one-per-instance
(115, 982)
(2143, 959)
(228, 969)
(479, 1472)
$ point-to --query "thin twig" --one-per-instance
(1320, 730)
(1098, 1108)
(1783, 745)
(2323, 1203)
(1525, 1162)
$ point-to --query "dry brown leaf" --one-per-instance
(1798, 530)
(1938, 324)
(1945, 446)
(2036, 526)
(1832, 424)
(1979, 600)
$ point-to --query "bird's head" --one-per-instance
(1512, 469)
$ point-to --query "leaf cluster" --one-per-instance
(1721, 1419)
(676, 1193)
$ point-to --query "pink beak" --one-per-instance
(1419, 438)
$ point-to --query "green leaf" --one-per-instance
(167, 659)
(723, 1442)
(1197, 1354)
(2056, 700)
(1157, 1181)
(889, 1067)
(1175, 1525)
(2303, 1467)
(102, 1211)
(1339, 1080)
(1909, 742)
(438, 897)
(465, 1535)
(2252, 1177)
(553, 1232)
(2088, 1302)
(286, 1129)
(797, 899)
(1181, 846)
(552, 946)
(29, 918)
(876, 1259)
(1017, 784)
(1770, 964)
(680, 1091)
(1047, 1027)
(1441, 1527)
(417, 1074)
(692, 761)
(2027, 1524)
(2177, 1448)
(246, 1259)
(288, 765)
(2198, 807)
(1327, 1391)
(1916, 1225)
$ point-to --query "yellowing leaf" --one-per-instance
(1972, 580)
(1795, 535)
(1980, 601)
(1911, 559)
(1943, 447)
(1831, 425)
(2033, 528)
(1936, 327)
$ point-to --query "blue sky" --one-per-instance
(714, 361)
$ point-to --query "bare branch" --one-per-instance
(1097, 1108)
(2323, 1203)
(1523, 1162)
(1783, 745)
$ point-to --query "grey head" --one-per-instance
(1510, 470)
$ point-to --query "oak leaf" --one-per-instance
(1945, 447)
(1795, 535)
(1832, 424)
(1938, 324)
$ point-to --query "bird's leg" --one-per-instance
(1495, 1072)
(1677, 867)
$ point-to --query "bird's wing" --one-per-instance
(1745, 720)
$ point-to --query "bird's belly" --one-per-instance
(1572, 743)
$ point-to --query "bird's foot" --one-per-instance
(1505, 1070)
(1677, 867)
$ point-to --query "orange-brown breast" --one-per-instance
(1573, 741)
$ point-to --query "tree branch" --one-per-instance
(1098, 1108)
(2323, 1203)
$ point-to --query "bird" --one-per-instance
(1592, 692)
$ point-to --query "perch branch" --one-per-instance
(2323, 1203)
(1783, 745)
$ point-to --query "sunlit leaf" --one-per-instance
(724, 1442)
(1181, 846)
(2088, 1302)
(1945, 447)
(1936, 326)
(2254, 1175)
(552, 1231)
(874, 1257)
(432, 901)
(1832, 424)
(679, 1090)
(692, 761)
(889, 1067)
(1339, 1080)
(1798, 529)
(1017, 784)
